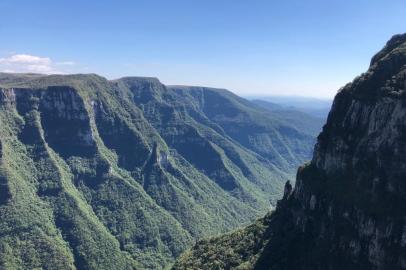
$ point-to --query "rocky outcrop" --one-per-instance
(4, 189)
(7, 97)
(348, 208)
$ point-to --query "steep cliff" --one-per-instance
(98, 174)
(348, 208)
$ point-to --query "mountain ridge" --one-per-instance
(128, 173)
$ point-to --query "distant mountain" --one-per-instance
(347, 210)
(306, 122)
(98, 174)
(270, 105)
(313, 106)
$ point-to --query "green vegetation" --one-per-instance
(237, 250)
(98, 174)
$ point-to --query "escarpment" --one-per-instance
(123, 174)
(349, 202)
(347, 210)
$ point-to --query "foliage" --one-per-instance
(236, 250)
(123, 174)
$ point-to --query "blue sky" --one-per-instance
(290, 47)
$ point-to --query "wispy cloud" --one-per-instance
(32, 64)
(65, 63)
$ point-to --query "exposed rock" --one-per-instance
(288, 190)
(353, 190)
(7, 97)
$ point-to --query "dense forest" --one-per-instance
(99, 174)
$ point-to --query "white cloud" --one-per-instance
(32, 64)
(8, 70)
(25, 59)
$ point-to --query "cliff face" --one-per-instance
(348, 208)
(349, 202)
(98, 174)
